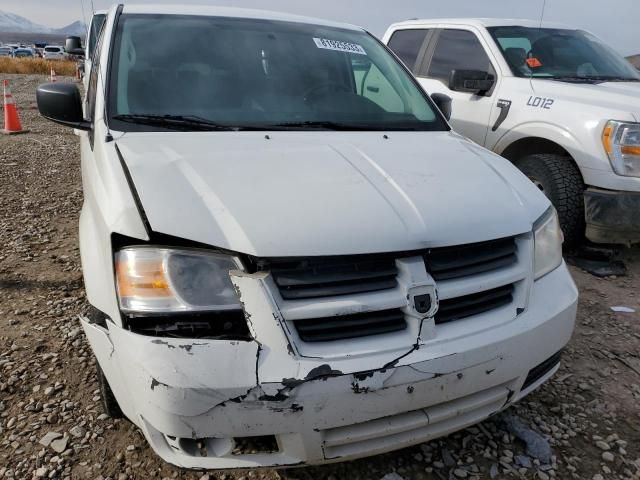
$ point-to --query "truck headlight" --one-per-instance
(164, 280)
(548, 243)
(622, 143)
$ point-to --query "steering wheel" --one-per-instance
(331, 87)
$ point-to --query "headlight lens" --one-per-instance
(162, 280)
(622, 143)
(548, 243)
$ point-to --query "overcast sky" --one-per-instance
(615, 21)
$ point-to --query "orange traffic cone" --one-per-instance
(53, 75)
(11, 120)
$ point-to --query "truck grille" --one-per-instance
(299, 279)
(448, 263)
(473, 304)
(350, 326)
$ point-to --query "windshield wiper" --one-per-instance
(339, 126)
(325, 125)
(593, 79)
(572, 79)
(613, 78)
(176, 122)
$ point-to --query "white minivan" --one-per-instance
(290, 257)
(54, 52)
(555, 100)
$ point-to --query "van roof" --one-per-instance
(231, 12)
(482, 22)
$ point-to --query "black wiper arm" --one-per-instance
(180, 122)
(574, 79)
(613, 78)
(593, 79)
(327, 125)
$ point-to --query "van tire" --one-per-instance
(109, 402)
(560, 180)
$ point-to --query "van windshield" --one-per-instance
(571, 55)
(195, 72)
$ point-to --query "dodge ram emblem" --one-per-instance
(422, 303)
(423, 300)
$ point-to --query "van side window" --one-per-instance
(406, 45)
(458, 50)
(96, 27)
(93, 79)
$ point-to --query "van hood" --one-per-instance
(613, 96)
(327, 193)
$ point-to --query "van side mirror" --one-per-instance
(443, 102)
(471, 81)
(61, 103)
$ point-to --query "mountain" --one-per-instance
(635, 60)
(76, 28)
(10, 22)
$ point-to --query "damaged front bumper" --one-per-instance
(197, 401)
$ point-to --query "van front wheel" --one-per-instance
(560, 180)
(109, 402)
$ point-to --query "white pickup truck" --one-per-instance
(556, 101)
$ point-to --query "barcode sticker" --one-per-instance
(339, 46)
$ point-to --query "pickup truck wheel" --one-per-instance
(109, 402)
(560, 180)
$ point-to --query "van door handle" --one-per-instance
(373, 89)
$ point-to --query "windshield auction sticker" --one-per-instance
(339, 46)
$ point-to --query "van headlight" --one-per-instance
(621, 141)
(548, 240)
(152, 280)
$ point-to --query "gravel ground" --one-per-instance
(52, 425)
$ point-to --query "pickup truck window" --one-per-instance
(458, 50)
(217, 73)
(407, 43)
(560, 54)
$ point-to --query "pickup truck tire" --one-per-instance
(560, 180)
(109, 402)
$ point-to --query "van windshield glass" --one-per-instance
(571, 55)
(216, 73)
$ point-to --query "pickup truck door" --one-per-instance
(459, 48)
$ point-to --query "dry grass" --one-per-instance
(37, 65)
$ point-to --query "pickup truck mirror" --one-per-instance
(78, 52)
(443, 102)
(73, 46)
(61, 103)
(472, 81)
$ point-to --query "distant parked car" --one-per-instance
(23, 53)
(54, 52)
(6, 52)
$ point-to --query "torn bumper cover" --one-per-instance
(612, 216)
(197, 400)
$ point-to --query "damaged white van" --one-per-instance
(290, 257)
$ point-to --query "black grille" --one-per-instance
(350, 326)
(539, 371)
(447, 263)
(331, 276)
(473, 304)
